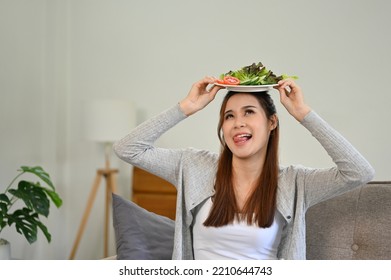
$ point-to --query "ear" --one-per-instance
(273, 122)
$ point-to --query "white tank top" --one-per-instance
(235, 241)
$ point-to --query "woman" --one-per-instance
(240, 204)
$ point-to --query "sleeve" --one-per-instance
(137, 148)
(351, 170)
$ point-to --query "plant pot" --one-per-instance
(5, 250)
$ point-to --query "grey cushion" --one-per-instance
(140, 234)
(355, 225)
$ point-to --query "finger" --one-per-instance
(209, 80)
(289, 83)
(283, 88)
(288, 87)
(206, 83)
(214, 89)
(284, 84)
(283, 95)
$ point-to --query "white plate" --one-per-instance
(247, 88)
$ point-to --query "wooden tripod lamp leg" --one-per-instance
(107, 213)
(86, 214)
(110, 188)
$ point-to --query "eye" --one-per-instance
(249, 112)
(228, 116)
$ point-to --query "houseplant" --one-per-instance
(23, 205)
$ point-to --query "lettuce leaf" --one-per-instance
(256, 74)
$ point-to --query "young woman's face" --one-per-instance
(246, 128)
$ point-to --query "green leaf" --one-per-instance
(44, 230)
(3, 219)
(36, 198)
(256, 74)
(4, 199)
(38, 171)
(4, 205)
(54, 197)
(27, 223)
(285, 76)
(33, 196)
(3, 212)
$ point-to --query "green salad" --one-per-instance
(252, 75)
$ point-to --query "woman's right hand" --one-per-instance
(200, 95)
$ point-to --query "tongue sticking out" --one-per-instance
(241, 138)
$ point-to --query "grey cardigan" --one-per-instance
(192, 171)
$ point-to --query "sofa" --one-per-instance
(352, 226)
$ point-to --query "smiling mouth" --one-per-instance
(241, 138)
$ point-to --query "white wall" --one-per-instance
(56, 54)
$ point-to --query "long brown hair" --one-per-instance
(261, 205)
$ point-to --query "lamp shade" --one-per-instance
(107, 120)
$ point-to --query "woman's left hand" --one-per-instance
(292, 98)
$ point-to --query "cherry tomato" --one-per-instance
(229, 80)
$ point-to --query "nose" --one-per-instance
(239, 122)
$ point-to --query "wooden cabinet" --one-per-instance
(153, 193)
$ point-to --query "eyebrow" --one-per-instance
(243, 108)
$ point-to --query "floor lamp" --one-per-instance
(105, 122)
